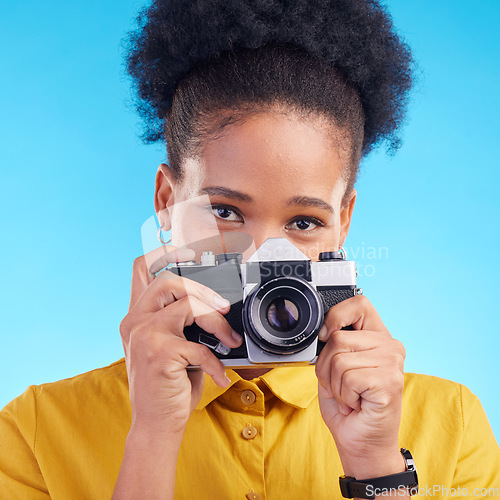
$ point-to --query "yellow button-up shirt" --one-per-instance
(263, 438)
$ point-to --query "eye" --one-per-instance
(305, 224)
(226, 213)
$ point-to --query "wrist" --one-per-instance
(374, 465)
(401, 484)
(154, 438)
(149, 464)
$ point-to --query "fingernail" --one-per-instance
(220, 302)
(322, 333)
(228, 380)
(236, 336)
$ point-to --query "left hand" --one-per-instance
(360, 375)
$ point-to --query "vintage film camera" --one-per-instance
(278, 298)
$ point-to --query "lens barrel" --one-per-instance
(283, 315)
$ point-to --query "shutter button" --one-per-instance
(247, 397)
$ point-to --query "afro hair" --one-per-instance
(347, 44)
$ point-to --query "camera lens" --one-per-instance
(282, 314)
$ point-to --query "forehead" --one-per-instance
(266, 149)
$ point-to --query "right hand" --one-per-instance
(163, 393)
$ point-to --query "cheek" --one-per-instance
(194, 227)
(192, 230)
(328, 241)
(325, 240)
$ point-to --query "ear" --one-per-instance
(164, 195)
(346, 215)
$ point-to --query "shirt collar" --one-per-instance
(295, 386)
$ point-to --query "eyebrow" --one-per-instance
(303, 201)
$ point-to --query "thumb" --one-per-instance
(330, 404)
(197, 379)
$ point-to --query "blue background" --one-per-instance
(76, 185)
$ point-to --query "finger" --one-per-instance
(329, 373)
(188, 310)
(354, 340)
(329, 376)
(200, 355)
(169, 287)
(330, 403)
(371, 389)
(357, 311)
(347, 350)
(343, 363)
(141, 275)
(169, 256)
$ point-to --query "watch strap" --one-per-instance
(351, 487)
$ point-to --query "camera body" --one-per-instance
(278, 299)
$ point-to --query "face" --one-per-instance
(273, 175)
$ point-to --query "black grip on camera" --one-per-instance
(332, 296)
(233, 317)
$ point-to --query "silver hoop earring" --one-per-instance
(160, 229)
(344, 253)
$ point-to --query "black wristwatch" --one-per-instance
(368, 488)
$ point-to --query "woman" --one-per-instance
(267, 109)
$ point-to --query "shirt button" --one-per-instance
(247, 397)
(249, 432)
(251, 495)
